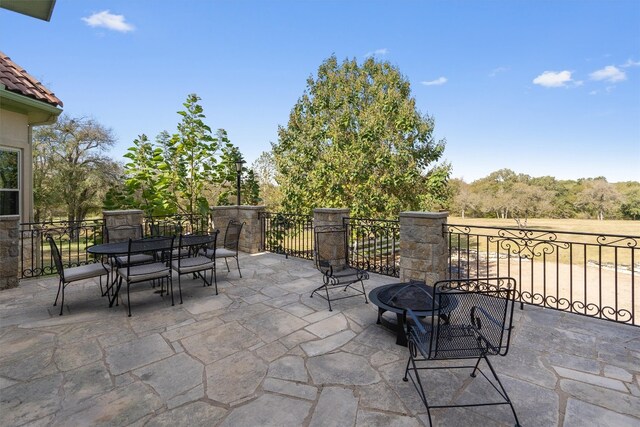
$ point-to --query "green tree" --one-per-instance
(250, 189)
(180, 172)
(71, 167)
(356, 139)
(265, 173)
(192, 152)
(598, 197)
(464, 200)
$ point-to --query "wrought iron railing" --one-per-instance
(596, 275)
(374, 245)
(287, 234)
(72, 238)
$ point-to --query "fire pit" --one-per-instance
(397, 297)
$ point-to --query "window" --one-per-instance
(9, 182)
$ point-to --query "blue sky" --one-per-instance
(539, 87)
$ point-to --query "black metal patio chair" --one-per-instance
(157, 270)
(480, 326)
(122, 233)
(230, 246)
(331, 257)
(74, 274)
(197, 263)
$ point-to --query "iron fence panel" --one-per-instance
(72, 238)
(374, 245)
(595, 275)
(287, 234)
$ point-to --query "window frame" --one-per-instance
(19, 181)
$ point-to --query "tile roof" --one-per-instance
(17, 80)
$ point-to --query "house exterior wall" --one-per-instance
(15, 134)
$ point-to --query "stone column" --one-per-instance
(329, 216)
(251, 235)
(335, 249)
(124, 217)
(423, 246)
(9, 251)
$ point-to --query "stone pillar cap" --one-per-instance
(429, 215)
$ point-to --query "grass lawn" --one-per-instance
(619, 227)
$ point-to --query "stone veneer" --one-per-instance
(335, 250)
(423, 247)
(9, 251)
(250, 238)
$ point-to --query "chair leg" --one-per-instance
(326, 288)
(366, 301)
(215, 279)
(62, 301)
(128, 299)
(417, 383)
(116, 293)
(58, 294)
(170, 279)
(225, 261)
(238, 264)
(179, 289)
(101, 291)
(504, 392)
(475, 368)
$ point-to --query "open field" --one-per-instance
(618, 227)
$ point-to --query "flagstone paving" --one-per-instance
(262, 353)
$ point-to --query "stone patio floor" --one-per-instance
(262, 353)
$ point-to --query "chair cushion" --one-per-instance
(224, 253)
(135, 259)
(139, 273)
(207, 252)
(84, 272)
(190, 265)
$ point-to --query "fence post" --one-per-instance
(251, 232)
(423, 246)
(333, 216)
(9, 251)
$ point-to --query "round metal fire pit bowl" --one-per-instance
(397, 297)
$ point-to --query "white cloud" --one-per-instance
(610, 73)
(382, 51)
(631, 63)
(105, 19)
(497, 71)
(553, 78)
(437, 82)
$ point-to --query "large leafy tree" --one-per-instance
(598, 197)
(356, 139)
(182, 172)
(193, 156)
(72, 171)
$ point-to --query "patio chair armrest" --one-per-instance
(476, 319)
(416, 322)
(419, 337)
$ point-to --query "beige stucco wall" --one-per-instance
(15, 133)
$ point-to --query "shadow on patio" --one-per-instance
(263, 353)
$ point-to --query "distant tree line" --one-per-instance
(506, 194)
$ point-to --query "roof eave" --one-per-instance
(41, 9)
(38, 112)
